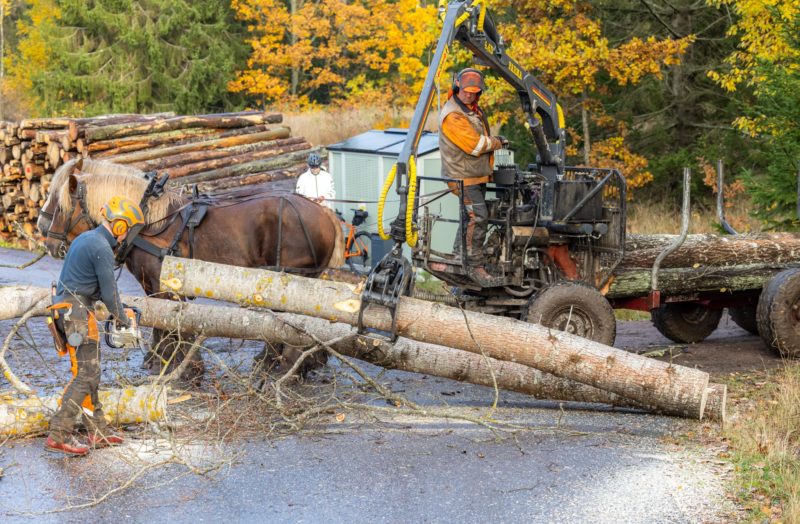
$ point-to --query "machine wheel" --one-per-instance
(745, 318)
(575, 308)
(685, 322)
(778, 313)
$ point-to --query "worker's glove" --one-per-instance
(503, 141)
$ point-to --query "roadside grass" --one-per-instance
(764, 440)
(652, 217)
(330, 125)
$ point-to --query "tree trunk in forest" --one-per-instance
(405, 354)
(669, 388)
(587, 145)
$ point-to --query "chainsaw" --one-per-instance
(119, 337)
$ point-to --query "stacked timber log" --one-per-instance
(216, 151)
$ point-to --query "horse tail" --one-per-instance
(337, 257)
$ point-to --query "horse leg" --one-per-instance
(167, 349)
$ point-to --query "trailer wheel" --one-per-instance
(685, 322)
(575, 308)
(745, 318)
(778, 313)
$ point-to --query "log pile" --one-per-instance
(215, 151)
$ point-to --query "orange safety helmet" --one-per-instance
(123, 214)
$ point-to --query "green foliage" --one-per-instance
(140, 56)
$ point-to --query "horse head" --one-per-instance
(75, 200)
(70, 216)
(51, 202)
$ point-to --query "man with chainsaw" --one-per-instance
(86, 277)
(316, 183)
(467, 151)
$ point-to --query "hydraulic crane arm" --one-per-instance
(471, 24)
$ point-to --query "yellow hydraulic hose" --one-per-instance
(382, 201)
(411, 233)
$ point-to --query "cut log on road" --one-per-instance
(406, 355)
(131, 405)
(670, 388)
(713, 250)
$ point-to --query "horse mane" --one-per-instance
(105, 180)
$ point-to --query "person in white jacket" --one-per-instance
(316, 184)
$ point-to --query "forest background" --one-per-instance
(648, 86)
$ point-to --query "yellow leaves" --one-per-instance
(765, 30)
(341, 48)
(614, 153)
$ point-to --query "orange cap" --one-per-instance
(471, 81)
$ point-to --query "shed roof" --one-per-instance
(388, 142)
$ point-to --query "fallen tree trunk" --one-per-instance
(670, 388)
(713, 250)
(131, 405)
(405, 355)
(631, 282)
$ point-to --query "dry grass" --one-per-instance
(330, 125)
(765, 439)
(648, 217)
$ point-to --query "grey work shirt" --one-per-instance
(88, 271)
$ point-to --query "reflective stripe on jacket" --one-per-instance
(465, 145)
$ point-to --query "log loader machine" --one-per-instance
(555, 234)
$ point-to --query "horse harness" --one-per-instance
(191, 215)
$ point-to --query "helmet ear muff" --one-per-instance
(119, 228)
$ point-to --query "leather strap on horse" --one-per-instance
(278, 266)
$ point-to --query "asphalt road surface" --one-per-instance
(564, 463)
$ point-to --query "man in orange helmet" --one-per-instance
(86, 277)
(467, 151)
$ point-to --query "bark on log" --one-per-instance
(256, 166)
(405, 354)
(713, 250)
(206, 155)
(131, 405)
(119, 146)
(224, 184)
(182, 122)
(220, 143)
(672, 389)
(627, 283)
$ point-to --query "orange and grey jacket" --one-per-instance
(466, 147)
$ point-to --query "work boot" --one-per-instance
(105, 439)
(482, 277)
(68, 446)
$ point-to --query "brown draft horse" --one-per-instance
(276, 230)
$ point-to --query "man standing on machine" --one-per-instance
(467, 151)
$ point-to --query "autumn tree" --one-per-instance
(564, 41)
(320, 51)
(767, 61)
